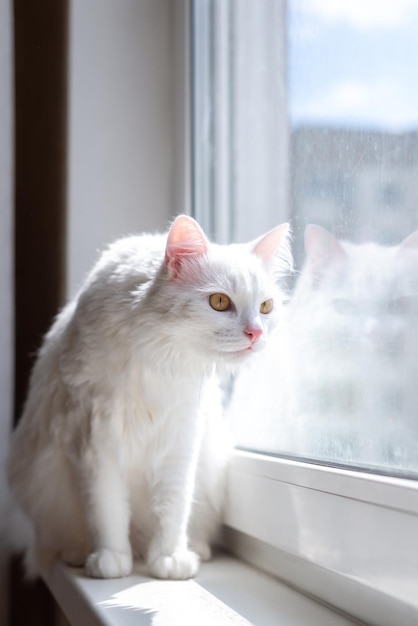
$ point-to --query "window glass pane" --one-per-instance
(338, 381)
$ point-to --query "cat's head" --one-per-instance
(359, 290)
(223, 300)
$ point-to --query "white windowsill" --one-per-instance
(226, 591)
(336, 534)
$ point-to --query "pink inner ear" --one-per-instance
(410, 242)
(266, 246)
(185, 240)
(321, 246)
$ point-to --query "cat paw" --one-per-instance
(108, 564)
(180, 565)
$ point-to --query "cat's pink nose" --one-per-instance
(253, 333)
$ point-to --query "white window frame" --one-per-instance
(240, 162)
(347, 537)
(344, 536)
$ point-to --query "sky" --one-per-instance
(354, 63)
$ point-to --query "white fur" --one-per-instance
(107, 461)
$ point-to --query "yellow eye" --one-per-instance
(220, 302)
(266, 306)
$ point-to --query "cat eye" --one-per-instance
(220, 302)
(266, 306)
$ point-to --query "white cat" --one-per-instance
(107, 461)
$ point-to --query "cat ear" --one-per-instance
(185, 240)
(321, 247)
(274, 249)
(410, 243)
(322, 251)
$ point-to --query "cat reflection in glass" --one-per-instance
(342, 369)
(358, 304)
(120, 450)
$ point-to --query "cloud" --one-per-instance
(380, 103)
(361, 14)
(349, 96)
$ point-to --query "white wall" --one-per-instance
(6, 240)
(121, 124)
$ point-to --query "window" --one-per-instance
(306, 111)
(390, 195)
